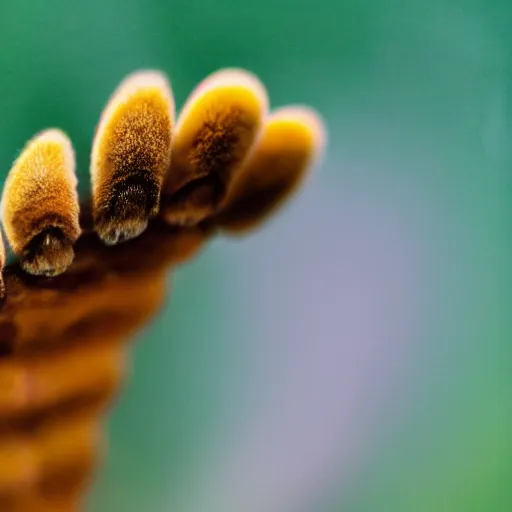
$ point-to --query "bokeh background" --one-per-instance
(354, 355)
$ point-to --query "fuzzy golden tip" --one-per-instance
(216, 130)
(40, 208)
(292, 144)
(130, 156)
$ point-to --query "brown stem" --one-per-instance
(63, 341)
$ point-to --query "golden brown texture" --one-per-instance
(216, 130)
(293, 139)
(59, 372)
(64, 340)
(130, 156)
(54, 446)
(40, 204)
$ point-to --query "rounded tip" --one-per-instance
(56, 136)
(140, 80)
(228, 77)
(47, 255)
(53, 135)
(311, 120)
(233, 77)
(145, 78)
(113, 232)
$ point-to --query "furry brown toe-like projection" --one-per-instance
(130, 156)
(64, 338)
(40, 204)
(293, 140)
(215, 133)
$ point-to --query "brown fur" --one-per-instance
(131, 154)
(215, 134)
(40, 204)
(292, 139)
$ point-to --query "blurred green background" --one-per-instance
(355, 355)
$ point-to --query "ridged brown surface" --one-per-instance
(63, 344)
